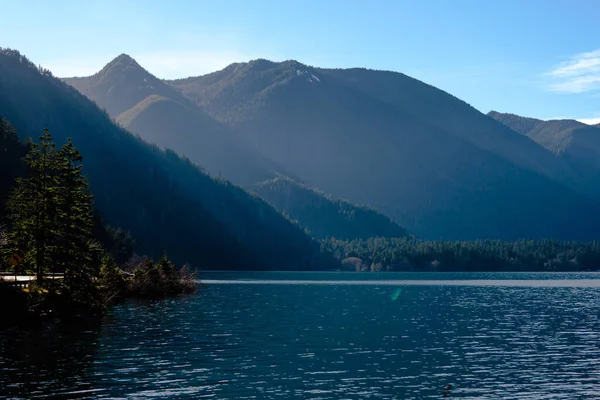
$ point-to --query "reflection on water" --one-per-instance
(309, 341)
(37, 363)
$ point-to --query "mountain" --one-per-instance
(425, 158)
(160, 114)
(421, 156)
(576, 143)
(324, 216)
(163, 199)
(522, 125)
(11, 152)
(452, 115)
(566, 136)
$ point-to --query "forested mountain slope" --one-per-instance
(522, 125)
(164, 200)
(561, 136)
(421, 156)
(160, 114)
(11, 152)
(324, 216)
(576, 143)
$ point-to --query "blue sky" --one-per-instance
(539, 58)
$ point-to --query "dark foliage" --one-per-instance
(11, 166)
(51, 228)
(409, 254)
(50, 210)
(159, 279)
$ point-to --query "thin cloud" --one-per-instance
(578, 75)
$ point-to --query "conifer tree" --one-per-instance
(33, 206)
(78, 254)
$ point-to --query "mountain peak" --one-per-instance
(122, 84)
(122, 60)
(263, 64)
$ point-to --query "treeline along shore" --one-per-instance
(411, 254)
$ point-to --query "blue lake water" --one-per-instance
(327, 336)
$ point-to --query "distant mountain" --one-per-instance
(452, 115)
(517, 123)
(423, 157)
(559, 136)
(164, 200)
(324, 216)
(419, 155)
(160, 114)
(574, 142)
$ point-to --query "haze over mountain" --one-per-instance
(324, 216)
(423, 157)
(160, 114)
(576, 143)
(164, 200)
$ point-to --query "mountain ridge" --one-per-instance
(325, 216)
(163, 199)
(573, 141)
(418, 154)
(145, 105)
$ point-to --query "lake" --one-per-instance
(327, 336)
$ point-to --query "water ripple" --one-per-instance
(329, 341)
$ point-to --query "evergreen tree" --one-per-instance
(78, 255)
(33, 206)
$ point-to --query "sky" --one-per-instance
(538, 58)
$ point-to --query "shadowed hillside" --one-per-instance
(160, 114)
(11, 152)
(164, 200)
(574, 142)
(423, 157)
(517, 123)
(324, 216)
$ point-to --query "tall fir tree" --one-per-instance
(34, 206)
(78, 255)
